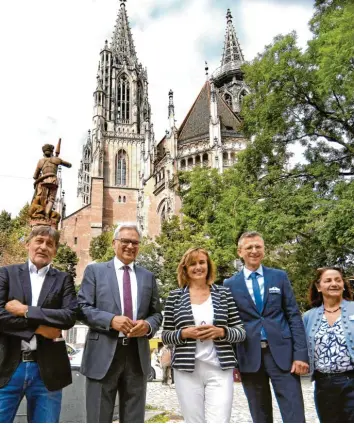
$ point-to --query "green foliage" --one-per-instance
(21, 222)
(101, 248)
(12, 248)
(305, 98)
(160, 418)
(300, 100)
(66, 260)
(149, 257)
(5, 222)
(13, 235)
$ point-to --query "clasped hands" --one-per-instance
(18, 309)
(129, 327)
(203, 332)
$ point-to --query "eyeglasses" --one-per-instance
(127, 242)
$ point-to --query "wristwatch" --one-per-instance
(25, 314)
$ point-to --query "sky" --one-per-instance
(49, 57)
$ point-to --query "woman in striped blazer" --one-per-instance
(201, 322)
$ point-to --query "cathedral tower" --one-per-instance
(124, 175)
(119, 146)
(228, 78)
(118, 152)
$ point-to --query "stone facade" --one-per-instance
(124, 175)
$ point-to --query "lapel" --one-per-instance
(215, 298)
(48, 282)
(241, 283)
(267, 275)
(186, 302)
(139, 273)
(113, 282)
(25, 283)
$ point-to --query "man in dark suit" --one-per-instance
(36, 303)
(120, 303)
(275, 347)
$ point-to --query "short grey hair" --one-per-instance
(248, 234)
(128, 225)
(43, 230)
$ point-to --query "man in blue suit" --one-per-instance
(275, 347)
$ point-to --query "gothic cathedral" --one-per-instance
(125, 175)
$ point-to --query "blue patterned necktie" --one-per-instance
(256, 291)
(258, 299)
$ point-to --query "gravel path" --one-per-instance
(164, 397)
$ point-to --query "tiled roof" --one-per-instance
(198, 118)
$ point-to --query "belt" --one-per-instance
(29, 356)
(124, 341)
(264, 344)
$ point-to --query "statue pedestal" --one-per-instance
(44, 222)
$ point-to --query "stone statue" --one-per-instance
(46, 187)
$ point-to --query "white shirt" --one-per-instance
(260, 279)
(204, 314)
(118, 265)
(37, 279)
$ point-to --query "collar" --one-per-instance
(247, 272)
(118, 264)
(33, 269)
(213, 288)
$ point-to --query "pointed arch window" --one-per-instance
(121, 168)
(163, 214)
(228, 99)
(123, 99)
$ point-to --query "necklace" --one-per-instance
(332, 312)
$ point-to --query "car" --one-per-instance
(75, 355)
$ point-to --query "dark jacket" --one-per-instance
(57, 307)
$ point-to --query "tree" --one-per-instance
(66, 260)
(13, 236)
(148, 257)
(12, 240)
(302, 98)
(101, 248)
(299, 99)
(5, 222)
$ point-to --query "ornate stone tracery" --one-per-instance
(125, 174)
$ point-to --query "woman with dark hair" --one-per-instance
(202, 322)
(329, 328)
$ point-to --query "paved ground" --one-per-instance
(164, 398)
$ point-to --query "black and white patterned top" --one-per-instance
(331, 350)
(179, 315)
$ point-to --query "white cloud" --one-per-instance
(50, 51)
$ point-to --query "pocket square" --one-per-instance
(351, 317)
(274, 290)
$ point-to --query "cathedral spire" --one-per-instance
(122, 41)
(232, 50)
(171, 109)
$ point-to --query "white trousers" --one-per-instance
(205, 395)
